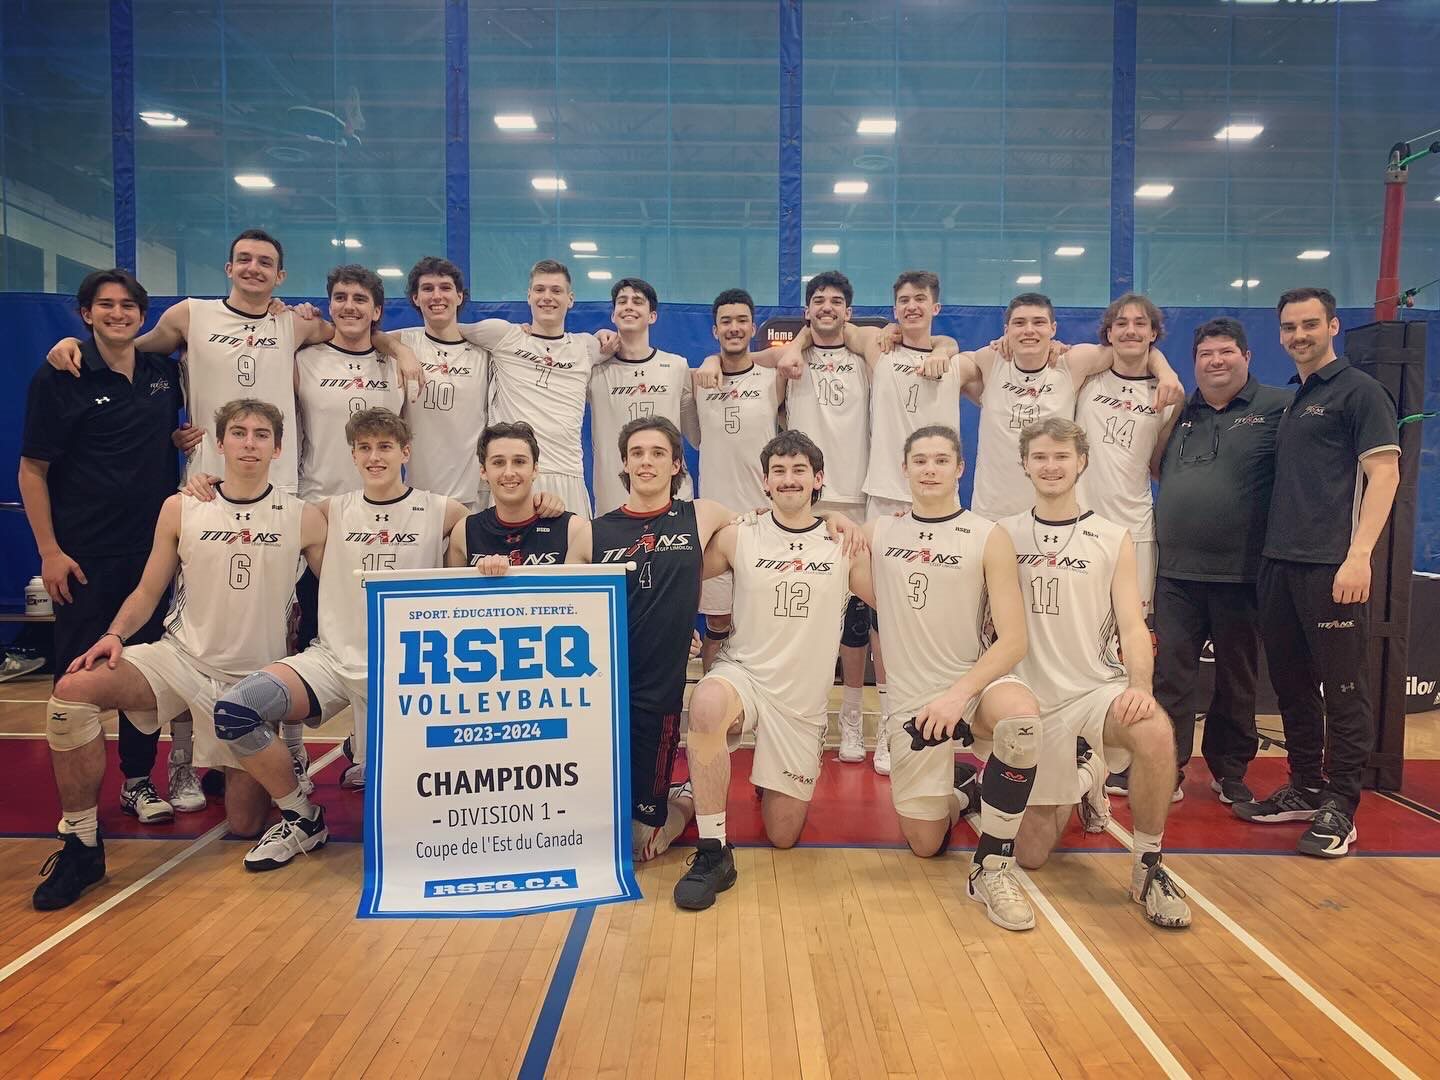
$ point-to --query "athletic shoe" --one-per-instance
(681, 793)
(1330, 834)
(1163, 900)
(353, 778)
(1288, 803)
(1094, 805)
(185, 794)
(144, 803)
(852, 736)
(967, 782)
(712, 871)
(16, 665)
(300, 762)
(290, 836)
(881, 761)
(1178, 795)
(993, 884)
(68, 873)
(1232, 790)
(213, 783)
(1118, 783)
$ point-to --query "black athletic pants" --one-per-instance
(80, 624)
(1310, 640)
(1187, 614)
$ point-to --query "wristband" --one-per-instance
(111, 633)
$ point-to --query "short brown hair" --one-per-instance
(1144, 303)
(925, 279)
(518, 430)
(1029, 299)
(933, 431)
(791, 443)
(1057, 428)
(1308, 292)
(550, 266)
(653, 423)
(249, 406)
(377, 422)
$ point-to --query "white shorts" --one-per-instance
(178, 684)
(570, 488)
(787, 746)
(1056, 780)
(717, 594)
(322, 671)
(921, 780)
(1147, 559)
(877, 506)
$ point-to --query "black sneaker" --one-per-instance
(967, 782)
(1117, 783)
(1286, 804)
(1330, 834)
(712, 871)
(1232, 790)
(68, 873)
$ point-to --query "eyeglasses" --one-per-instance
(1199, 458)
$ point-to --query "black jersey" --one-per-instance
(536, 542)
(662, 593)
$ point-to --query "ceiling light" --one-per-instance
(1313, 254)
(548, 183)
(584, 245)
(825, 249)
(806, 278)
(1244, 283)
(156, 118)
(1154, 191)
(1069, 251)
(1029, 279)
(598, 275)
(515, 122)
(389, 271)
(851, 187)
(876, 125)
(1239, 132)
(349, 242)
(254, 181)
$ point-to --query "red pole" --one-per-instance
(1387, 287)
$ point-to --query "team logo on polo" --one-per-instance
(649, 544)
(1249, 419)
(1314, 410)
(238, 536)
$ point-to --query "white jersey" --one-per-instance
(407, 533)
(230, 355)
(332, 385)
(790, 593)
(902, 401)
(542, 381)
(239, 562)
(625, 390)
(736, 421)
(1013, 399)
(929, 576)
(449, 416)
(1066, 570)
(830, 403)
(1119, 417)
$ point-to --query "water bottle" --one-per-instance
(37, 600)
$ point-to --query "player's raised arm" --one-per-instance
(720, 551)
(862, 578)
(487, 333)
(169, 333)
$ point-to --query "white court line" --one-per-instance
(1367, 1043)
(193, 848)
(1138, 1024)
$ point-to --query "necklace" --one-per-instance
(1051, 538)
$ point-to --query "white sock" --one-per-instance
(294, 736)
(850, 699)
(297, 803)
(1146, 843)
(1086, 774)
(963, 799)
(182, 740)
(711, 826)
(884, 702)
(82, 823)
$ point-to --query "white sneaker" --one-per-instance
(1163, 900)
(852, 736)
(292, 835)
(300, 762)
(16, 665)
(882, 747)
(994, 885)
(144, 803)
(185, 794)
(353, 778)
(1094, 804)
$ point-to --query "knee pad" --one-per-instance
(856, 627)
(1009, 774)
(715, 635)
(245, 717)
(1017, 741)
(70, 725)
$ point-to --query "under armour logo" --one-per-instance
(1051, 538)
(382, 517)
(249, 328)
(102, 401)
(1347, 687)
(797, 547)
(242, 517)
(927, 536)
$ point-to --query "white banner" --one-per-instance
(498, 758)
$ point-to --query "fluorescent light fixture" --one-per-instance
(389, 271)
(599, 275)
(348, 242)
(806, 278)
(515, 121)
(825, 249)
(584, 245)
(548, 183)
(1069, 251)
(1244, 283)
(156, 118)
(876, 125)
(1239, 132)
(1154, 191)
(1029, 279)
(1313, 254)
(851, 187)
(254, 181)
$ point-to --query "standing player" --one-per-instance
(1077, 578)
(454, 404)
(943, 581)
(238, 557)
(639, 381)
(791, 582)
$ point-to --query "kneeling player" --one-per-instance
(238, 557)
(941, 576)
(1077, 572)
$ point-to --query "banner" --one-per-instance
(498, 771)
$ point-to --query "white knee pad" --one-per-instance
(70, 725)
(1017, 741)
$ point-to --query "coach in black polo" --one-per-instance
(1216, 471)
(1315, 573)
(96, 461)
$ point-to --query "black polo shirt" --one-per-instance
(107, 440)
(1216, 476)
(1337, 417)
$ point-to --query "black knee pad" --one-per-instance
(856, 627)
(1006, 787)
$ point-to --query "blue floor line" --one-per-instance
(547, 1025)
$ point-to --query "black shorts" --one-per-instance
(81, 623)
(856, 630)
(654, 738)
